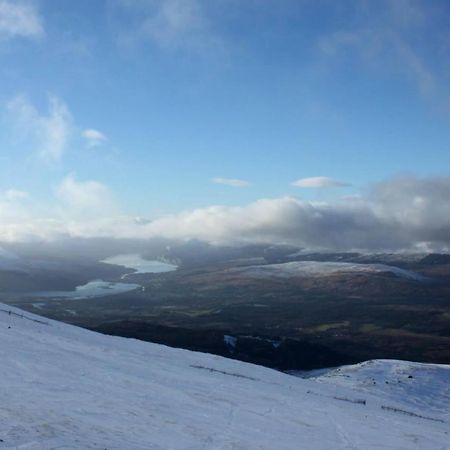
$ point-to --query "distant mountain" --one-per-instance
(320, 268)
(65, 387)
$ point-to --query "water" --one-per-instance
(100, 288)
(140, 265)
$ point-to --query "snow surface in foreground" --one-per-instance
(68, 388)
(319, 268)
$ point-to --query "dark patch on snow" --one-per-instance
(232, 374)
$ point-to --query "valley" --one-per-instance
(332, 309)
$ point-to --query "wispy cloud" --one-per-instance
(49, 133)
(14, 194)
(93, 137)
(319, 182)
(19, 19)
(233, 182)
(384, 35)
(169, 24)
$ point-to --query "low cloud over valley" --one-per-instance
(403, 213)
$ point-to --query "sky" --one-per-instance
(227, 120)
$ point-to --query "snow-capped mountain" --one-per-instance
(68, 388)
(321, 268)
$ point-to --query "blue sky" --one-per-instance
(153, 100)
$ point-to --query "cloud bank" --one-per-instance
(405, 213)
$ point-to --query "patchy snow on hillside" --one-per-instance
(63, 387)
(319, 268)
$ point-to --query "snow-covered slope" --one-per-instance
(67, 388)
(319, 268)
(422, 387)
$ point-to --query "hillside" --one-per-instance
(69, 388)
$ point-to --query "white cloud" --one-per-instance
(318, 182)
(93, 137)
(405, 213)
(19, 19)
(15, 216)
(47, 133)
(85, 198)
(234, 182)
(401, 213)
(82, 208)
